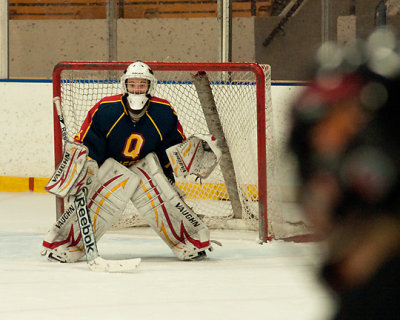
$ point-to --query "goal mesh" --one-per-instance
(237, 100)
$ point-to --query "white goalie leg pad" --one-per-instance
(86, 178)
(107, 198)
(166, 212)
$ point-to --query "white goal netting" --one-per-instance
(237, 102)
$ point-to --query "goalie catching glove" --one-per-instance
(198, 155)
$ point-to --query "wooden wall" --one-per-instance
(131, 9)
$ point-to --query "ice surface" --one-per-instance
(241, 280)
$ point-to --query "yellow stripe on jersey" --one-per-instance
(120, 117)
(160, 102)
(87, 129)
(123, 104)
(155, 126)
(174, 112)
(167, 104)
(89, 126)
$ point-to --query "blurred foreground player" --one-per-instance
(346, 139)
(122, 153)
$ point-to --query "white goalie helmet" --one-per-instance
(138, 70)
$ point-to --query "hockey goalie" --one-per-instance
(129, 148)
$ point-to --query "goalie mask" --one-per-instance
(138, 98)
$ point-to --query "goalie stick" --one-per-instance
(95, 262)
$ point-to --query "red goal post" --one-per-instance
(73, 81)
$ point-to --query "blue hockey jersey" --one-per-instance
(109, 132)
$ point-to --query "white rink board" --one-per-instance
(26, 124)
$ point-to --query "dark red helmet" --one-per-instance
(345, 126)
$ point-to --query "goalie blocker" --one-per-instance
(151, 192)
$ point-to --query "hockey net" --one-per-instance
(242, 192)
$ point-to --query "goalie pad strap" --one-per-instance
(169, 216)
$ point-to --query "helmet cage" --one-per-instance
(139, 70)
